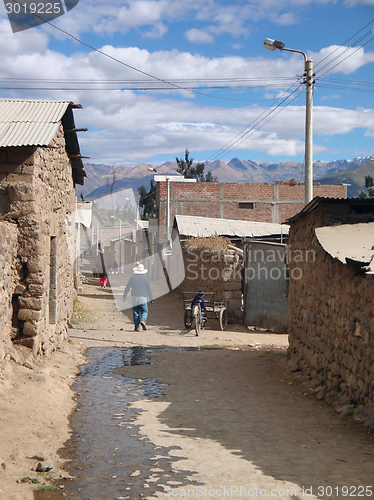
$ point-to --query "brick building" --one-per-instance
(252, 202)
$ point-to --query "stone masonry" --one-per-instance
(331, 321)
(36, 198)
(214, 265)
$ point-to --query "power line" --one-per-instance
(166, 82)
(344, 43)
(243, 135)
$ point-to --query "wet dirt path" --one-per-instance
(220, 418)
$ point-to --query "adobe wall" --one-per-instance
(213, 265)
(252, 202)
(331, 323)
(38, 195)
(9, 278)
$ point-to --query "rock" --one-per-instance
(293, 365)
(331, 397)
(319, 392)
(44, 466)
(344, 409)
(277, 329)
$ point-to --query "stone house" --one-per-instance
(40, 164)
(331, 301)
(213, 254)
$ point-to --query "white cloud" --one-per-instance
(129, 126)
(157, 31)
(286, 19)
(199, 36)
(337, 59)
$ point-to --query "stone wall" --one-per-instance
(331, 322)
(239, 201)
(214, 265)
(38, 195)
(9, 278)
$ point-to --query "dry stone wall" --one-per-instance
(214, 265)
(38, 195)
(331, 329)
(8, 283)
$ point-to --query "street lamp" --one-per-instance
(274, 45)
(120, 236)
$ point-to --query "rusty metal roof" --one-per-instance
(318, 200)
(34, 123)
(203, 227)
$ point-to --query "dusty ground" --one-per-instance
(231, 417)
(35, 403)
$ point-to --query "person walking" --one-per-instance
(140, 289)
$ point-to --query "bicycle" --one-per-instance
(215, 309)
(197, 318)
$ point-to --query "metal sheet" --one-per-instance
(266, 286)
(203, 227)
(352, 241)
(29, 123)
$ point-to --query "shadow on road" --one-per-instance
(239, 399)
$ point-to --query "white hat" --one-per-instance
(139, 269)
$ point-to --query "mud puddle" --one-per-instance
(108, 458)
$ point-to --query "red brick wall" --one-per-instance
(272, 202)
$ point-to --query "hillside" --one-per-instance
(354, 176)
(100, 177)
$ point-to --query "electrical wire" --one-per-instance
(237, 140)
(255, 126)
(344, 43)
(166, 82)
(243, 134)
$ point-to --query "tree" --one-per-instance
(369, 183)
(187, 168)
(147, 200)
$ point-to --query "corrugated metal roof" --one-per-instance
(203, 227)
(348, 241)
(29, 122)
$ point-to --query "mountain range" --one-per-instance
(102, 179)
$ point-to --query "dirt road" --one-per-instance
(232, 419)
(232, 422)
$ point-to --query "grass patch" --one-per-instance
(81, 314)
(28, 479)
(45, 487)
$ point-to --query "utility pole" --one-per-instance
(271, 44)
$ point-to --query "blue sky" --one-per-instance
(215, 48)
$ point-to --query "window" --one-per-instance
(246, 205)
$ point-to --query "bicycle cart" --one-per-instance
(195, 317)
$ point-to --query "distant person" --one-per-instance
(199, 298)
(96, 270)
(104, 276)
(140, 289)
